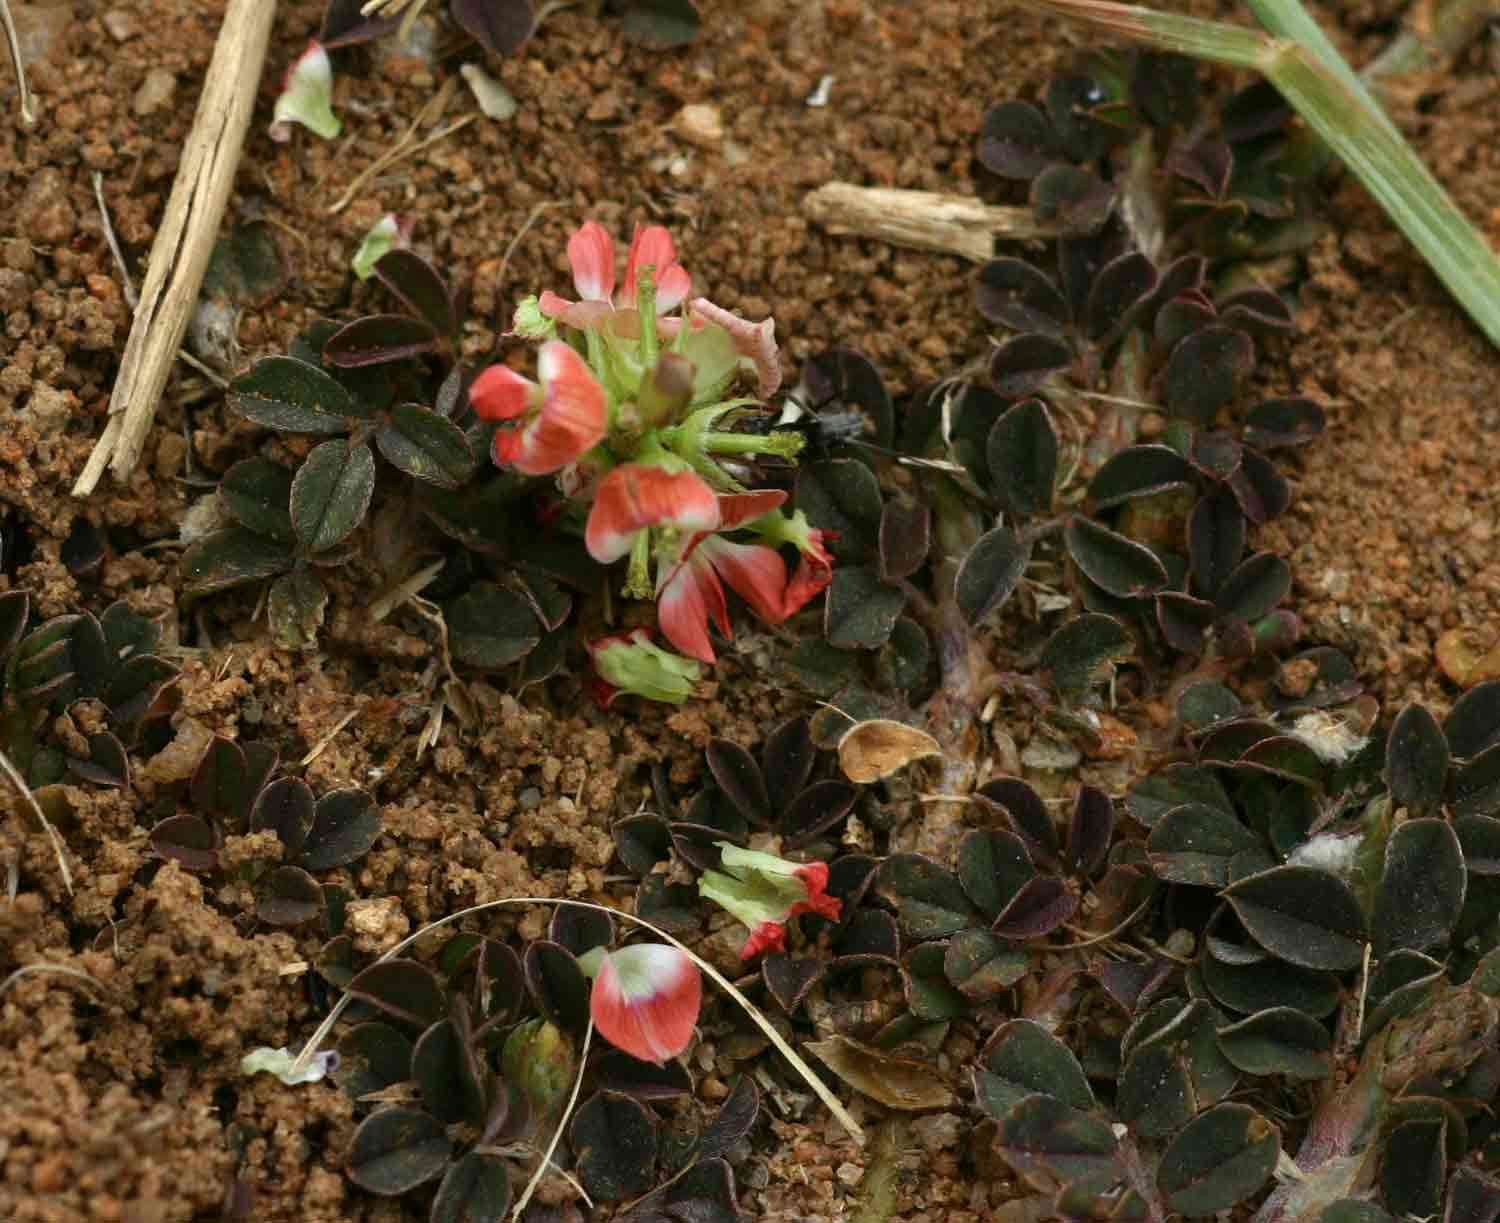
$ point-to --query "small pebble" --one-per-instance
(120, 24)
(700, 124)
(155, 92)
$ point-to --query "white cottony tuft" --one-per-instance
(1331, 738)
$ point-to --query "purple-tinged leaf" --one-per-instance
(1023, 363)
(1116, 564)
(1416, 760)
(378, 339)
(1027, 814)
(990, 573)
(1204, 372)
(739, 777)
(1275, 423)
(396, 1149)
(1076, 655)
(1254, 588)
(1262, 491)
(420, 288)
(1184, 621)
(401, 988)
(1138, 471)
(1090, 830)
(905, 535)
(1071, 199)
(790, 979)
(1216, 540)
(1120, 291)
(1257, 311)
(501, 27)
(1016, 141)
(188, 841)
(1016, 294)
(1040, 907)
(1022, 455)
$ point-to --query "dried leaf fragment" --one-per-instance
(875, 749)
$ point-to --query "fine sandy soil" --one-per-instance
(122, 1100)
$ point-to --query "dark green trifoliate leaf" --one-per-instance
(187, 840)
(288, 896)
(815, 810)
(331, 493)
(291, 396)
(257, 493)
(1151, 798)
(929, 995)
(397, 1149)
(903, 663)
(377, 339)
(1219, 1160)
(990, 573)
(1072, 199)
(1023, 808)
(905, 533)
(1247, 980)
(1192, 1032)
(1122, 286)
(1283, 422)
(417, 283)
(1016, 294)
(1184, 621)
(402, 988)
(1400, 983)
(1115, 564)
(1281, 1040)
(1254, 588)
(1304, 915)
(1473, 1197)
(993, 867)
(821, 668)
(1416, 760)
(1421, 892)
(449, 1075)
(475, 1189)
(372, 1057)
(1194, 844)
(1204, 704)
(232, 557)
(133, 689)
(284, 807)
(615, 1140)
(861, 610)
(1022, 364)
(1476, 784)
(790, 979)
(1022, 1059)
(295, 608)
(1473, 724)
(345, 825)
(740, 778)
(1139, 471)
(1022, 457)
(490, 627)
(63, 660)
(1016, 141)
(982, 965)
(1043, 1134)
(1076, 655)
(1479, 836)
(842, 495)
(106, 764)
(1154, 1095)
(929, 899)
(426, 446)
(220, 785)
(1412, 1175)
(557, 984)
(1203, 373)
(1216, 540)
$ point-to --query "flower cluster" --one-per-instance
(765, 892)
(634, 412)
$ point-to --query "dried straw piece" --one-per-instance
(924, 220)
(185, 239)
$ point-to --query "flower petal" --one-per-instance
(651, 246)
(766, 937)
(646, 999)
(814, 572)
(754, 341)
(634, 496)
(591, 251)
(573, 419)
(499, 393)
(685, 600)
(736, 509)
(754, 572)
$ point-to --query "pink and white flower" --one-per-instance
(689, 594)
(646, 999)
(567, 415)
(591, 252)
(635, 497)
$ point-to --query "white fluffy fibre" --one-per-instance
(1330, 737)
(1330, 852)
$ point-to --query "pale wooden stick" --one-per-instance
(924, 220)
(185, 239)
(13, 44)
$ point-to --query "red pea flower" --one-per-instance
(591, 252)
(635, 497)
(645, 999)
(815, 569)
(689, 594)
(567, 414)
(765, 892)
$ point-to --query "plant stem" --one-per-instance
(1357, 131)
